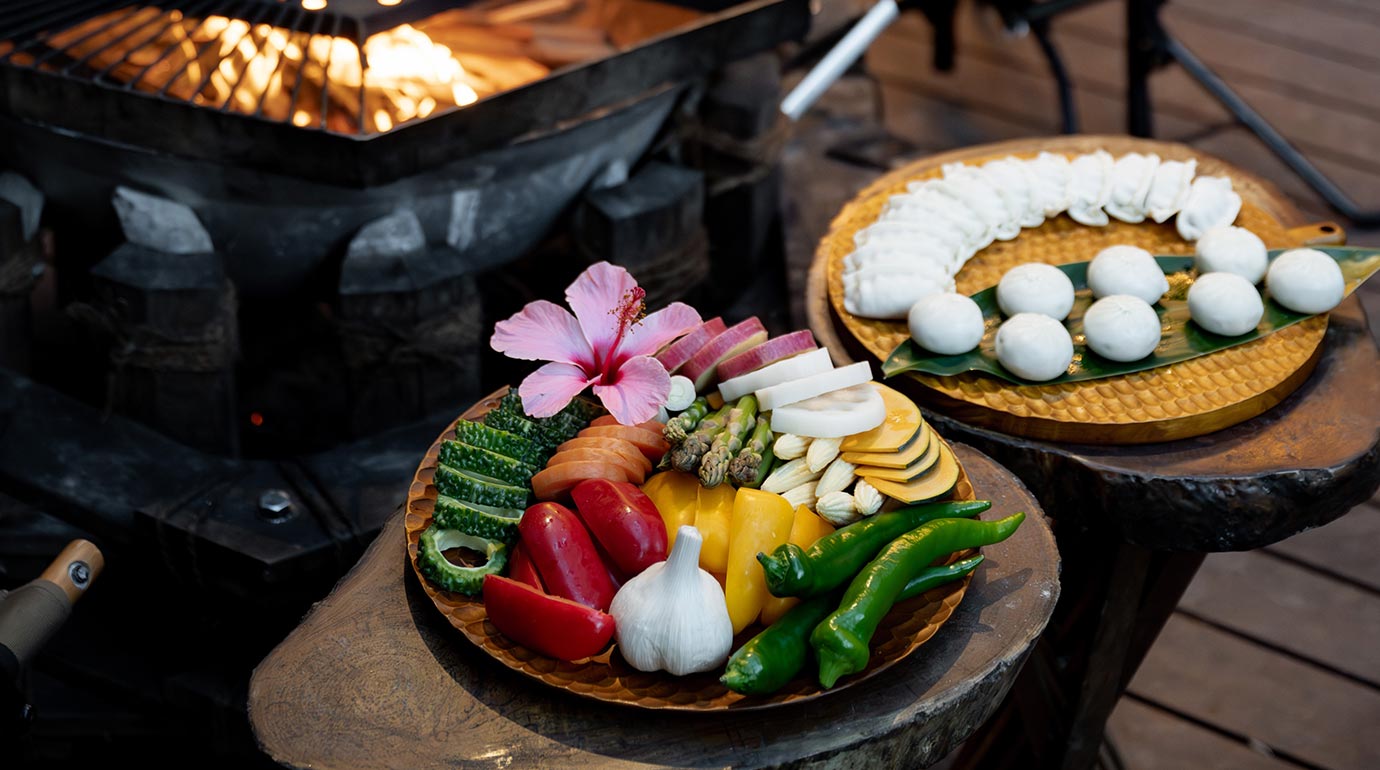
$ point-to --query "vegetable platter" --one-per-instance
(1187, 398)
(675, 513)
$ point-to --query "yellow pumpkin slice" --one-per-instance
(901, 458)
(934, 483)
(902, 475)
(902, 422)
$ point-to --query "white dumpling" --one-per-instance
(924, 201)
(1014, 182)
(1090, 181)
(1306, 281)
(889, 294)
(1225, 303)
(891, 230)
(1051, 189)
(1127, 270)
(1034, 347)
(1211, 203)
(1131, 179)
(1232, 249)
(948, 324)
(968, 185)
(1169, 190)
(1035, 288)
(911, 256)
(1122, 328)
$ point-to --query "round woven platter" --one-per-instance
(1190, 398)
(607, 677)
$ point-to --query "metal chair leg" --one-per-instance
(1067, 111)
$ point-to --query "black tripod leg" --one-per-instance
(1143, 40)
(1068, 113)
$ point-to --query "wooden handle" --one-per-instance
(1318, 234)
(75, 569)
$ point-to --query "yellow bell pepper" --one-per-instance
(676, 496)
(712, 520)
(805, 530)
(761, 522)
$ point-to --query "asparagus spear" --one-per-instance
(679, 427)
(686, 457)
(728, 442)
(744, 467)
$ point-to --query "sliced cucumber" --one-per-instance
(453, 577)
(485, 463)
(478, 519)
(500, 441)
(476, 488)
(504, 420)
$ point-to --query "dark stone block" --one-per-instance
(743, 100)
(168, 293)
(657, 210)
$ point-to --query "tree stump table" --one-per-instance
(375, 677)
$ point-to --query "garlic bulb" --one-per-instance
(822, 451)
(866, 498)
(790, 446)
(673, 617)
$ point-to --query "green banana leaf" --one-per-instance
(1181, 341)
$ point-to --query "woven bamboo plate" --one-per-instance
(1191, 398)
(607, 677)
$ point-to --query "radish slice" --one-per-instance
(814, 385)
(832, 415)
(815, 362)
(675, 355)
(682, 393)
(769, 352)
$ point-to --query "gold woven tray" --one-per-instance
(607, 677)
(1187, 399)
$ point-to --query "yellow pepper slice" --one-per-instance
(676, 496)
(712, 520)
(805, 530)
(761, 522)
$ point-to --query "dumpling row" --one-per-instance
(925, 235)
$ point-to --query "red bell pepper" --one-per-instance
(624, 521)
(521, 569)
(561, 548)
(548, 624)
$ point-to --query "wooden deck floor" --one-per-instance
(1272, 660)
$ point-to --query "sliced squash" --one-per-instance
(902, 475)
(902, 422)
(901, 458)
(932, 484)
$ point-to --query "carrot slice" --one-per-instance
(606, 419)
(624, 448)
(648, 443)
(556, 480)
(654, 426)
(636, 473)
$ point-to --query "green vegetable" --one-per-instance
(764, 468)
(835, 558)
(841, 640)
(448, 576)
(501, 419)
(485, 463)
(678, 427)
(477, 519)
(687, 456)
(728, 441)
(500, 441)
(474, 488)
(772, 658)
(745, 466)
(546, 432)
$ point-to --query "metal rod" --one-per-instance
(117, 20)
(259, 39)
(1144, 38)
(294, 35)
(63, 14)
(326, 75)
(152, 20)
(360, 37)
(839, 58)
(170, 21)
(1275, 141)
(317, 21)
(1067, 111)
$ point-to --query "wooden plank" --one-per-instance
(1149, 738)
(1304, 29)
(1347, 545)
(937, 125)
(1292, 707)
(1290, 606)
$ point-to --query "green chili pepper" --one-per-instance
(841, 640)
(837, 557)
(772, 658)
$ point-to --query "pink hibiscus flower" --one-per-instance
(608, 343)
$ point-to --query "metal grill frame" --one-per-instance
(119, 114)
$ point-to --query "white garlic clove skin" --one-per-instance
(948, 324)
(866, 498)
(1122, 328)
(1034, 347)
(1127, 270)
(1232, 249)
(1051, 173)
(1035, 288)
(1131, 179)
(1169, 190)
(1090, 183)
(1211, 203)
(1306, 281)
(1225, 304)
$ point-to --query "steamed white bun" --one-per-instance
(947, 324)
(1232, 249)
(1034, 346)
(1035, 288)
(1122, 328)
(1225, 303)
(1127, 270)
(1306, 281)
